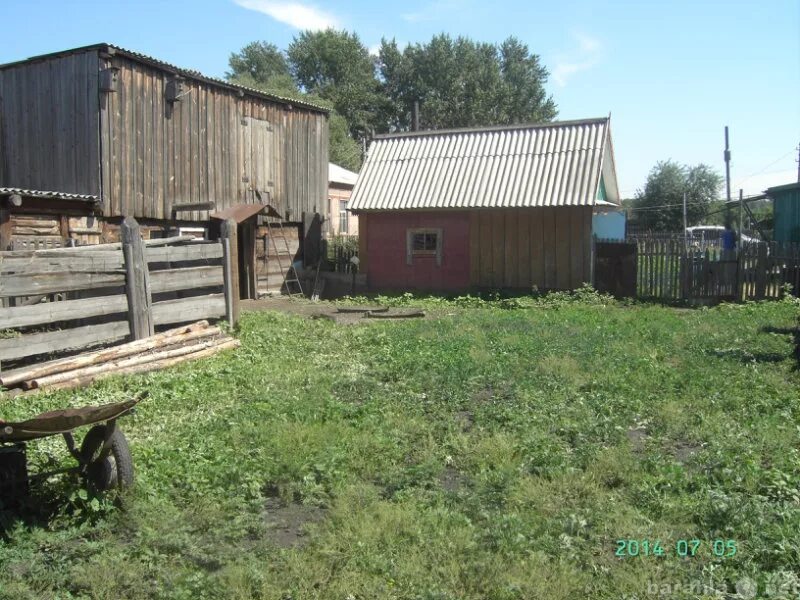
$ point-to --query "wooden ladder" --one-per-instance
(291, 273)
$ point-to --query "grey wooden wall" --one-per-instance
(143, 155)
(211, 145)
(48, 125)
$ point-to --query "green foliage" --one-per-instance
(262, 64)
(461, 83)
(336, 65)
(659, 207)
(458, 82)
(485, 452)
(344, 150)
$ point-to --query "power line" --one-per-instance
(740, 182)
(689, 203)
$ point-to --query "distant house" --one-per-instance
(786, 211)
(496, 207)
(340, 187)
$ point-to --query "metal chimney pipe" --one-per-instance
(415, 116)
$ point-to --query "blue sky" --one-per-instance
(671, 73)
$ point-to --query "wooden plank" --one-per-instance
(55, 341)
(486, 249)
(173, 280)
(588, 256)
(137, 286)
(49, 283)
(5, 229)
(535, 223)
(189, 309)
(576, 243)
(189, 252)
(510, 250)
(523, 248)
(35, 264)
(52, 312)
(549, 246)
(498, 248)
(474, 248)
(229, 231)
(52, 230)
(363, 250)
(562, 218)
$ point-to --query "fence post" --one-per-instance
(230, 265)
(137, 280)
(761, 272)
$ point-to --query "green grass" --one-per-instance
(497, 450)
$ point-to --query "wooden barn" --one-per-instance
(489, 208)
(135, 136)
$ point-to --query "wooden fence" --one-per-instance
(339, 251)
(111, 292)
(669, 270)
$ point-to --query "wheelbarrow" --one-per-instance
(104, 458)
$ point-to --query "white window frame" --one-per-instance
(411, 253)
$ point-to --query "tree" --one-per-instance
(462, 83)
(344, 150)
(659, 206)
(524, 96)
(261, 65)
(335, 65)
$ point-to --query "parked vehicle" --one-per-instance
(710, 236)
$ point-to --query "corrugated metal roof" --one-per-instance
(552, 164)
(6, 191)
(178, 70)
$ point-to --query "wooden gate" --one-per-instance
(615, 268)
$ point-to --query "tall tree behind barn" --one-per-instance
(162, 144)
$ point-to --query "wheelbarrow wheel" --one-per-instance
(113, 471)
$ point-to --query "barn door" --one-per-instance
(258, 158)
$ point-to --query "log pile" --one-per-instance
(162, 350)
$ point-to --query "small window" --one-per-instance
(424, 243)
(343, 225)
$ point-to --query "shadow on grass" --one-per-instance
(792, 331)
(46, 502)
(745, 356)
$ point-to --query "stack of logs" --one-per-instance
(162, 350)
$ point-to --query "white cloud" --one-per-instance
(374, 50)
(295, 14)
(587, 54)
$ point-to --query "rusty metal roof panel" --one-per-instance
(239, 212)
(552, 164)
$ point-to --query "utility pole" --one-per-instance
(727, 178)
(798, 163)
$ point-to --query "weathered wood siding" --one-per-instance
(211, 145)
(549, 248)
(48, 124)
